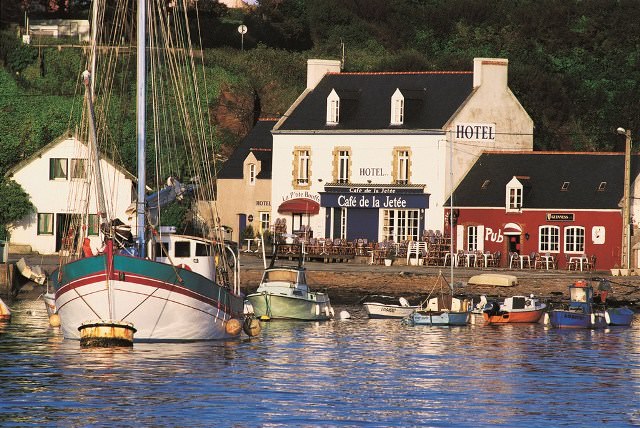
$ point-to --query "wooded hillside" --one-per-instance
(574, 65)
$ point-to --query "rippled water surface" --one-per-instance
(356, 372)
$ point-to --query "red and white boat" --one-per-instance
(516, 309)
(5, 312)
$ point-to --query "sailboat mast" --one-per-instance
(140, 124)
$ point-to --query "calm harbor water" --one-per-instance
(355, 372)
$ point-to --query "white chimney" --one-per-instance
(491, 72)
(317, 68)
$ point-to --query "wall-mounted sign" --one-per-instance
(475, 131)
(560, 217)
(375, 201)
(263, 203)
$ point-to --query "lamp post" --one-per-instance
(626, 201)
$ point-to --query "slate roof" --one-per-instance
(431, 99)
(542, 175)
(259, 141)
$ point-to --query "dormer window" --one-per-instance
(513, 202)
(333, 108)
(485, 185)
(397, 108)
(252, 174)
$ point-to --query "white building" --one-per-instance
(58, 180)
(369, 155)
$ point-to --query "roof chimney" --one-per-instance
(317, 68)
(490, 72)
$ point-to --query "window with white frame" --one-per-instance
(303, 167)
(472, 238)
(397, 108)
(400, 225)
(333, 108)
(513, 202)
(58, 169)
(265, 221)
(45, 224)
(549, 239)
(343, 223)
(252, 174)
(574, 239)
(343, 166)
(402, 166)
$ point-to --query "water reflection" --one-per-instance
(354, 372)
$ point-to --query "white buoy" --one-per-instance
(344, 315)
(546, 320)
(54, 320)
(251, 326)
(233, 327)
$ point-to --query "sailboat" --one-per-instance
(149, 283)
(441, 307)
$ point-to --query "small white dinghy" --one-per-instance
(381, 307)
(494, 279)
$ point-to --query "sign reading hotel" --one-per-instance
(475, 131)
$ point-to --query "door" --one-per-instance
(513, 244)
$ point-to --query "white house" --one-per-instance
(375, 155)
(58, 180)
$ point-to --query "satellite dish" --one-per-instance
(242, 29)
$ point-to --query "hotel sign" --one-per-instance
(561, 217)
(475, 131)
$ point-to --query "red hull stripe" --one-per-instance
(141, 280)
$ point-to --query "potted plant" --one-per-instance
(616, 270)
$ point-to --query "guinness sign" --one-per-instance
(560, 217)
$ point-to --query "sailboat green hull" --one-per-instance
(275, 306)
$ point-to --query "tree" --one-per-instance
(15, 205)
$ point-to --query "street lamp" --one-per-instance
(626, 202)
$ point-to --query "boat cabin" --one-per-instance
(188, 252)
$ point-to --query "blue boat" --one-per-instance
(614, 316)
(580, 313)
(619, 316)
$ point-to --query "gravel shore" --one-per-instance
(348, 283)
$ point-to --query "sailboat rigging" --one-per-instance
(160, 285)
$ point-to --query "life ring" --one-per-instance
(527, 303)
(184, 266)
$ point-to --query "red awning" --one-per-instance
(300, 206)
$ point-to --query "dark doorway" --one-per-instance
(513, 243)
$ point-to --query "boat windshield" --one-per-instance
(280, 276)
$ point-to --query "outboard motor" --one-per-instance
(491, 308)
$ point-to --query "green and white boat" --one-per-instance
(283, 293)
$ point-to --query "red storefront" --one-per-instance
(559, 204)
(561, 233)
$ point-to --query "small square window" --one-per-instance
(565, 186)
(602, 187)
(58, 169)
(45, 224)
(182, 249)
(485, 185)
(78, 168)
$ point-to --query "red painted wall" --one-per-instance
(494, 220)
